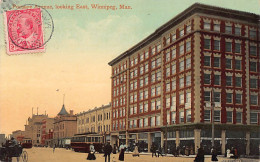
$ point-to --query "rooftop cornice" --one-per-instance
(195, 8)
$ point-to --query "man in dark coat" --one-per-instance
(107, 151)
(200, 155)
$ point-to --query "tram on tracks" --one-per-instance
(26, 143)
(82, 142)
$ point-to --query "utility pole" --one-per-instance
(166, 145)
(212, 110)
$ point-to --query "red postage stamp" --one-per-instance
(24, 31)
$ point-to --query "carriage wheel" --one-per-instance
(24, 156)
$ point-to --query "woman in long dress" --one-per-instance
(122, 152)
(91, 154)
(136, 153)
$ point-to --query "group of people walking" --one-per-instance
(107, 152)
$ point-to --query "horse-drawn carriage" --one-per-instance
(8, 152)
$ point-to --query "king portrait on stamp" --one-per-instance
(24, 31)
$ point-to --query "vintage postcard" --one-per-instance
(130, 80)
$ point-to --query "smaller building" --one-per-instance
(47, 131)
(96, 120)
(18, 135)
(2, 139)
(65, 126)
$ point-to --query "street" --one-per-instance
(63, 155)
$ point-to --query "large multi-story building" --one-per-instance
(47, 132)
(33, 130)
(65, 126)
(18, 135)
(96, 120)
(165, 88)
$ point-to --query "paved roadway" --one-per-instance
(63, 155)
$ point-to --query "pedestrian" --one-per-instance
(153, 150)
(91, 154)
(107, 152)
(159, 151)
(122, 152)
(114, 149)
(214, 154)
(135, 152)
(54, 147)
(200, 155)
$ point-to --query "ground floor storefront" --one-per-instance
(188, 138)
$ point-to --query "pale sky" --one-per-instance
(77, 56)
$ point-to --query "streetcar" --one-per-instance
(82, 142)
(26, 143)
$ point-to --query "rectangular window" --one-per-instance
(253, 99)
(228, 47)
(158, 75)
(146, 68)
(158, 62)
(229, 63)
(182, 82)
(229, 80)
(181, 32)
(140, 123)
(145, 122)
(153, 50)
(167, 56)
(253, 118)
(158, 90)
(252, 34)
(237, 31)
(182, 65)
(216, 45)
(141, 108)
(141, 82)
(174, 69)
(216, 116)
(188, 63)
(252, 66)
(168, 102)
(168, 41)
(158, 120)
(153, 64)
(174, 53)
(153, 92)
(238, 64)
(173, 84)
(146, 94)
(206, 43)
(207, 115)
(217, 27)
(153, 105)
(237, 47)
(229, 98)
(173, 37)
(153, 78)
(173, 117)
(252, 51)
(181, 98)
(228, 29)
(217, 97)
(238, 98)
(141, 95)
(238, 81)
(141, 57)
(216, 62)
(253, 83)
(153, 121)
(206, 26)
(158, 48)
(181, 116)
(141, 70)
(158, 104)
(188, 80)
(168, 70)
(206, 78)
(181, 49)
(146, 55)
(145, 107)
(188, 46)
(207, 96)
(206, 60)
(216, 79)
(168, 87)
(229, 116)
(188, 28)
(238, 117)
